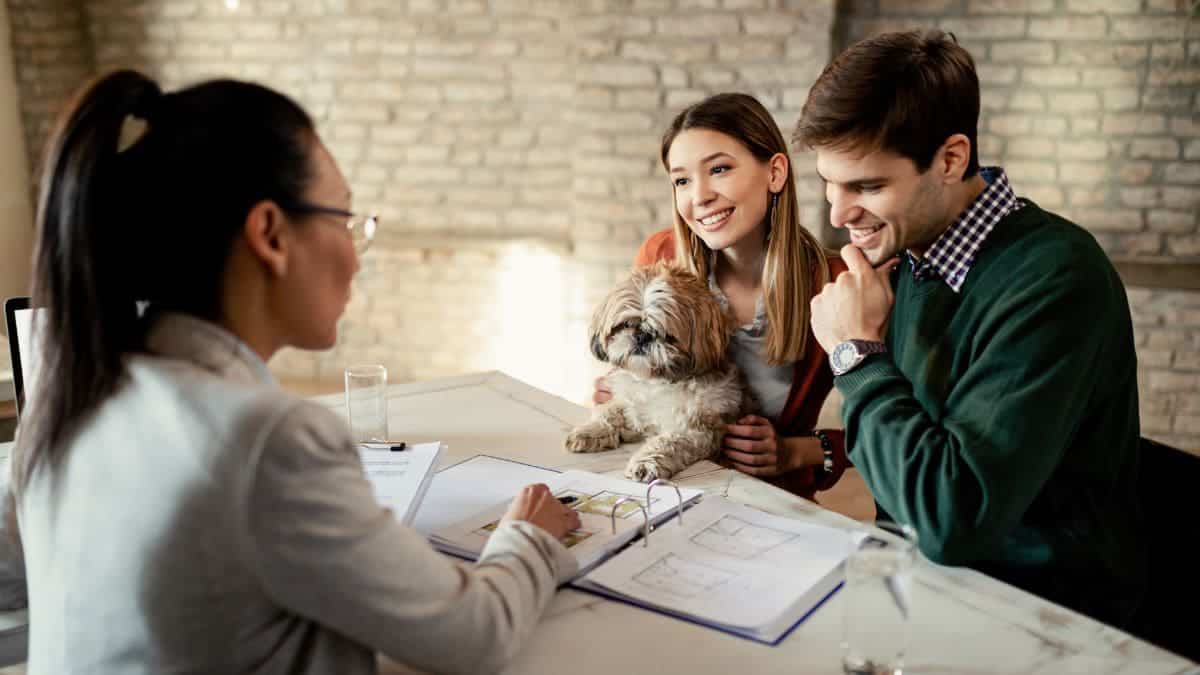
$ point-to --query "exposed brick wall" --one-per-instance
(471, 124)
(1092, 107)
(52, 55)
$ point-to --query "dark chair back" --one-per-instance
(1168, 479)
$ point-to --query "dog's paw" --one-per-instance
(592, 438)
(645, 469)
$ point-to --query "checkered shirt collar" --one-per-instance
(953, 254)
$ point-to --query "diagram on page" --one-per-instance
(680, 577)
(737, 538)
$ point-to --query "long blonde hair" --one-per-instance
(796, 264)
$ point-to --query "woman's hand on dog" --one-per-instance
(753, 447)
(536, 504)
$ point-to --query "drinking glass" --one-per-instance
(877, 602)
(366, 403)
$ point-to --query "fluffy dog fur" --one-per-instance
(675, 385)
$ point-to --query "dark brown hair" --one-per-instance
(153, 222)
(901, 92)
(796, 266)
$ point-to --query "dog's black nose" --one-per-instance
(641, 338)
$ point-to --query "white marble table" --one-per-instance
(965, 623)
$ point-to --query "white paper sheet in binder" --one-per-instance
(400, 474)
(602, 533)
(730, 567)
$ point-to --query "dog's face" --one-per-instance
(661, 322)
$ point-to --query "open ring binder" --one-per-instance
(678, 495)
(612, 517)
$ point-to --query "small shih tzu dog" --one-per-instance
(674, 385)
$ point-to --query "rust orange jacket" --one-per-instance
(811, 384)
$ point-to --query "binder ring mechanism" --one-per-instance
(612, 516)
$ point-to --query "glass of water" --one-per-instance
(366, 403)
(877, 600)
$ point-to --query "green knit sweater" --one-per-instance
(1003, 424)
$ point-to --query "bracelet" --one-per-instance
(826, 450)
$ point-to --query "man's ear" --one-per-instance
(266, 235)
(779, 171)
(952, 159)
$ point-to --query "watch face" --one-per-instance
(843, 356)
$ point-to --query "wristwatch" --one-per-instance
(847, 355)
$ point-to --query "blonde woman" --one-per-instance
(737, 225)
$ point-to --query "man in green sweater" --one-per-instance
(983, 346)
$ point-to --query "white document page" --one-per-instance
(479, 483)
(729, 564)
(400, 478)
(593, 497)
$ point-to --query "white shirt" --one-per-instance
(203, 521)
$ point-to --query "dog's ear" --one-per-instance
(598, 348)
(713, 327)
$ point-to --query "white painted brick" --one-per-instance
(772, 24)
(1104, 6)
(673, 77)
(1074, 102)
(1131, 172)
(1029, 101)
(1050, 76)
(1123, 98)
(1088, 196)
(1087, 173)
(758, 50)
(1186, 173)
(1024, 51)
(475, 93)
(1108, 77)
(698, 26)
(1101, 53)
(1145, 28)
(1181, 197)
(1085, 149)
(1172, 221)
(1134, 123)
(1154, 148)
(617, 74)
(1108, 220)
(1009, 6)
(1141, 197)
(935, 7)
(1184, 245)
(715, 78)
(1185, 126)
(1069, 28)
(1142, 243)
(996, 27)
(1031, 172)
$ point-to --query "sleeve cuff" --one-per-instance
(870, 370)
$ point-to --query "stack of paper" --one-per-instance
(400, 474)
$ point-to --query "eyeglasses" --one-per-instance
(361, 226)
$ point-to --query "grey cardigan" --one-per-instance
(203, 521)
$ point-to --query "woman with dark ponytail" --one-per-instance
(177, 511)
